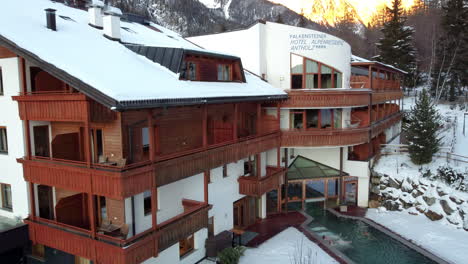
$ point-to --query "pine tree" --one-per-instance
(279, 19)
(422, 130)
(396, 47)
(451, 68)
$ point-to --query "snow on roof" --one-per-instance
(108, 66)
(357, 59)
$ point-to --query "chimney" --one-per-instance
(95, 14)
(50, 16)
(111, 23)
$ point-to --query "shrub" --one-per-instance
(449, 176)
(231, 255)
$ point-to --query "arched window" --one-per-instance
(310, 74)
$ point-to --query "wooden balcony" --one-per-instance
(175, 169)
(363, 82)
(384, 96)
(56, 106)
(116, 183)
(324, 138)
(389, 121)
(182, 226)
(80, 242)
(252, 186)
(326, 98)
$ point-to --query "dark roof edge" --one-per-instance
(60, 74)
(140, 104)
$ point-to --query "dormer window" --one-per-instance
(191, 71)
(224, 72)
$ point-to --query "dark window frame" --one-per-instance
(1, 82)
(3, 140)
(318, 74)
(225, 173)
(147, 203)
(7, 197)
(229, 72)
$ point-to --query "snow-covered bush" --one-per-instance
(449, 176)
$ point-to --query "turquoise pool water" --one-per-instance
(360, 242)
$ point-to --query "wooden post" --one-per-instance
(279, 200)
(370, 78)
(87, 138)
(341, 194)
(259, 118)
(303, 193)
(259, 165)
(151, 136)
(278, 115)
(286, 182)
(278, 157)
(28, 139)
(236, 120)
(205, 126)
(32, 201)
(92, 214)
(24, 85)
(206, 182)
(154, 206)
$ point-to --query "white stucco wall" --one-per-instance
(12, 171)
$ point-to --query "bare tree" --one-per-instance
(302, 255)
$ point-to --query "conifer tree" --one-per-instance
(451, 68)
(396, 47)
(422, 130)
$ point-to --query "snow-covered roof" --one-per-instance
(356, 59)
(82, 53)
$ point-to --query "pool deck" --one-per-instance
(274, 224)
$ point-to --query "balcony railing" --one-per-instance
(362, 82)
(326, 98)
(61, 106)
(255, 187)
(182, 226)
(322, 138)
(79, 242)
(380, 97)
(383, 124)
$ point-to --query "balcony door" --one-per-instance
(41, 141)
(46, 203)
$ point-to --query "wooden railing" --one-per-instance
(80, 242)
(384, 96)
(182, 226)
(362, 82)
(326, 98)
(389, 121)
(53, 107)
(322, 138)
(255, 187)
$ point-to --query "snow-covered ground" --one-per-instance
(445, 241)
(281, 249)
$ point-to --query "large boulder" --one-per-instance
(415, 193)
(407, 200)
(375, 189)
(454, 219)
(442, 190)
(448, 206)
(413, 211)
(406, 186)
(430, 197)
(374, 204)
(394, 183)
(424, 182)
(464, 210)
(465, 224)
(435, 212)
(456, 199)
(392, 205)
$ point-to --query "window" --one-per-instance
(325, 118)
(186, 245)
(147, 202)
(297, 120)
(224, 72)
(250, 166)
(145, 139)
(316, 119)
(310, 74)
(5, 190)
(337, 118)
(3, 140)
(312, 118)
(225, 174)
(191, 71)
(1, 82)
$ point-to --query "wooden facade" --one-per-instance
(322, 138)
(328, 98)
(256, 187)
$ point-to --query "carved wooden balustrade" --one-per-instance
(256, 187)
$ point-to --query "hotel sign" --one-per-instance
(307, 42)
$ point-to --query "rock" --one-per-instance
(465, 224)
(407, 200)
(391, 193)
(381, 209)
(456, 199)
(375, 180)
(415, 193)
(382, 187)
(374, 204)
(391, 205)
(434, 215)
(413, 211)
(424, 182)
(422, 189)
(392, 182)
(421, 208)
(406, 186)
(430, 200)
(442, 191)
(375, 189)
(454, 219)
(448, 206)
(464, 210)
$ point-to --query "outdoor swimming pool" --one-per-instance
(359, 241)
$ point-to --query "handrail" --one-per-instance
(177, 218)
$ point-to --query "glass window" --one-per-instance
(224, 72)
(337, 118)
(1, 82)
(338, 80)
(312, 116)
(225, 174)
(3, 140)
(297, 64)
(186, 245)
(333, 187)
(296, 81)
(147, 202)
(311, 66)
(7, 204)
(315, 189)
(325, 118)
(326, 77)
(311, 81)
(297, 120)
(191, 71)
